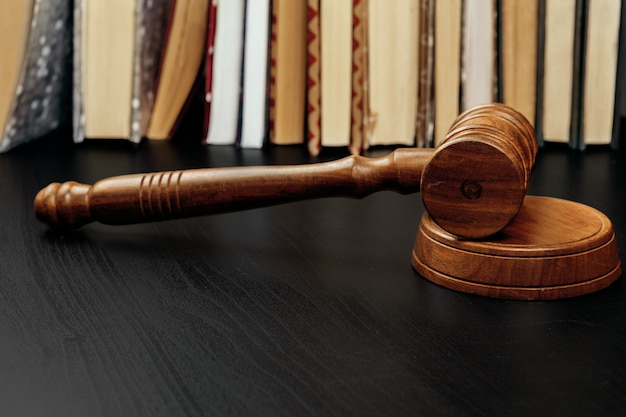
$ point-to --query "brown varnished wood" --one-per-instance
(475, 185)
(157, 196)
(553, 249)
(472, 185)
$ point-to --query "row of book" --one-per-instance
(325, 73)
(554, 60)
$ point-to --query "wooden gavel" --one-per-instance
(472, 185)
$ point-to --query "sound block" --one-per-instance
(553, 249)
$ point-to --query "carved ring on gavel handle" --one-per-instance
(472, 185)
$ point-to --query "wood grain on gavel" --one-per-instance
(472, 185)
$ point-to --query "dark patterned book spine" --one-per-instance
(272, 78)
(153, 20)
(42, 101)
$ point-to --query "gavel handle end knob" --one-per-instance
(63, 206)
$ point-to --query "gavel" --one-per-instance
(472, 185)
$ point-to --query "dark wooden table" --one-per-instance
(304, 309)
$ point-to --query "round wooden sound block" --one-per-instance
(553, 249)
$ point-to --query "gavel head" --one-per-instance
(476, 181)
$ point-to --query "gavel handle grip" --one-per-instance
(139, 198)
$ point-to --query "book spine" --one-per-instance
(227, 74)
(539, 86)
(136, 129)
(41, 101)
(78, 110)
(253, 126)
(479, 60)
(245, 35)
(424, 120)
(620, 90)
(272, 84)
(154, 22)
(313, 78)
(359, 63)
(268, 75)
(517, 55)
(447, 66)
(208, 69)
(576, 124)
(289, 78)
(600, 70)
(557, 70)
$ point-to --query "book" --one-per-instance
(424, 133)
(108, 67)
(151, 17)
(619, 121)
(360, 109)
(288, 72)
(226, 77)
(518, 48)
(313, 139)
(540, 35)
(208, 69)
(599, 73)
(393, 30)
(35, 70)
(134, 82)
(13, 45)
(181, 60)
(479, 60)
(254, 124)
(557, 66)
(447, 71)
(580, 13)
(353, 87)
(105, 66)
(336, 71)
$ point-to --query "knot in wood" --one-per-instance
(471, 190)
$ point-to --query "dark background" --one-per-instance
(308, 308)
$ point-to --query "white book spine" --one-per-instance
(227, 60)
(478, 53)
(253, 125)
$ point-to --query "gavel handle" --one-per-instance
(139, 198)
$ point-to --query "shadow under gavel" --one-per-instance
(472, 185)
